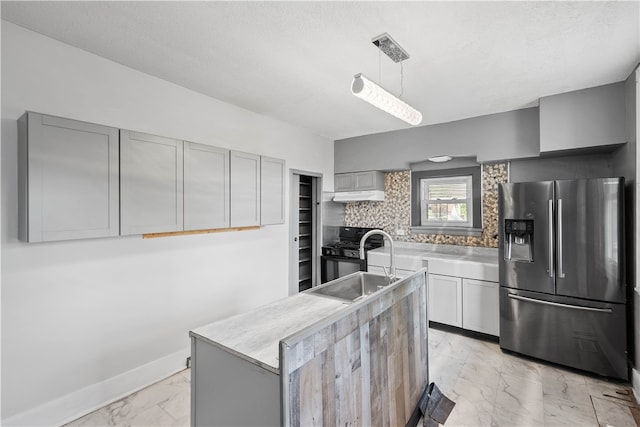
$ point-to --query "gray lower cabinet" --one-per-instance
(151, 190)
(465, 303)
(228, 390)
(445, 299)
(68, 179)
(245, 189)
(206, 187)
(480, 308)
(271, 191)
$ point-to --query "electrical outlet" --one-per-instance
(400, 232)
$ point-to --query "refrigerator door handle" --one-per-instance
(550, 237)
(557, 304)
(560, 238)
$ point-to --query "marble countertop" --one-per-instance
(426, 251)
(460, 261)
(255, 335)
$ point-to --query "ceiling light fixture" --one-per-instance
(440, 159)
(377, 96)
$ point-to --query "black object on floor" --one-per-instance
(435, 406)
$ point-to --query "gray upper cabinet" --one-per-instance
(245, 189)
(370, 180)
(583, 118)
(79, 180)
(68, 179)
(271, 191)
(359, 181)
(151, 189)
(206, 187)
(344, 181)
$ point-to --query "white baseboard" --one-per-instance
(635, 382)
(81, 402)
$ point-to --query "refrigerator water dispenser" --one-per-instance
(519, 240)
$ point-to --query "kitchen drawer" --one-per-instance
(400, 273)
(463, 268)
(403, 262)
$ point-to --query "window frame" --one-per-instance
(474, 229)
(425, 202)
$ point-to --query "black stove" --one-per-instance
(347, 249)
(343, 257)
(349, 244)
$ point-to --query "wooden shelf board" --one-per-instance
(209, 231)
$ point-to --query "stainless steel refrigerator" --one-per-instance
(562, 282)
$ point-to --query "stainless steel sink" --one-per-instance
(352, 287)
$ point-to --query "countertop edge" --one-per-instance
(275, 370)
(426, 254)
(275, 322)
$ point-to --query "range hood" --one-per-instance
(359, 196)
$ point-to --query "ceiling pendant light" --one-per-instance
(375, 95)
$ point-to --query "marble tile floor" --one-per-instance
(165, 403)
(490, 388)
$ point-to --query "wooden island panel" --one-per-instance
(366, 365)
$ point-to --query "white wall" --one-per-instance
(85, 321)
(495, 137)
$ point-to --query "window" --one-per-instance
(446, 201)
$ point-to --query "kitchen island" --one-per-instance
(314, 360)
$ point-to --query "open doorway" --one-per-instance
(305, 230)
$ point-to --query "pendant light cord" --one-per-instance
(401, 79)
(380, 66)
(401, 73)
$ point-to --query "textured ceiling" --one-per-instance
(294, 61)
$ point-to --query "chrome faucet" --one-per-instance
(392, 268)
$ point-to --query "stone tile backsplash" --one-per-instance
(395, 212)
